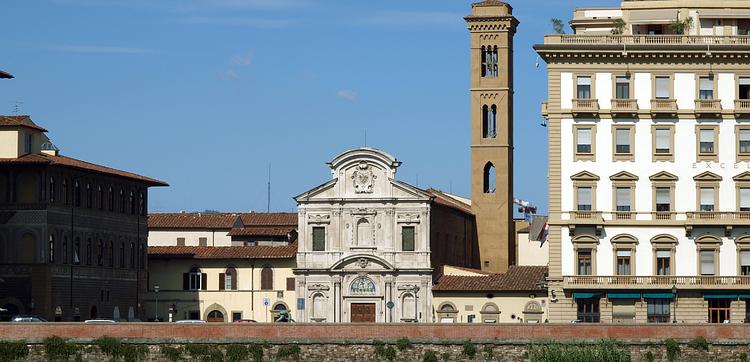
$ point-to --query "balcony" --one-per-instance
(656, 282)
(624, 107)
(647, 40)
(664, 107)
(742, 107)
(585, 107)
(708, 107)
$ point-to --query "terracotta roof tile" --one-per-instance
(516, 279)
(192, 221)
(269, 219)
(224, 252)
(262, 231)
(21, 120)
(444, 199)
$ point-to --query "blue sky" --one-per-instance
(204, 94)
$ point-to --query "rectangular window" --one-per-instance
(623, 262)
(203, 241)
(745, 262)
(663, 199)
(718, 310)
(28, 141)
(662, 88)
(583, 137)
(180, 241)
(663, 142)
(622, 140)
(236, 316)
(584, 88)
(195, 281)
(622, 199)
(622, 88)
(319, 238)
(407, 238)
(744, 199)
(290, 284)
(658, 310)
(584, 198)
(584, 262)
(706, 88)
(663, 261)
(744, 139)
(707, 262)
(588, 310)
(743, 28)
(707, 141)
(744, 88)
(707, 199)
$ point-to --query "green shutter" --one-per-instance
(407, 238)
(319, 239)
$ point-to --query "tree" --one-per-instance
(619, 27)
(557, 26)
(681, 27)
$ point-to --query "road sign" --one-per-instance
(389, 305)
(266, 301)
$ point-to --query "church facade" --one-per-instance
(364, 245)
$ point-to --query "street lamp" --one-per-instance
(674, 295)
(156, 290)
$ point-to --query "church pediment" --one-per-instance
(362, 262)
(324, 191)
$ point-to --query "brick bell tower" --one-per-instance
(492, 27)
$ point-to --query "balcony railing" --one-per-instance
(719, 217)
(656, 40)
(624, 106)
(666, 282)
(585, 106)
(742, 106)
(691, 217)
(708, 106)
(663, 106)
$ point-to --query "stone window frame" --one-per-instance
(623, 179)
(666, 180)
(737, 77)
(713, 156)
(624, 242)
(715, 82)
(671, 85)
(664, 242)
(582, 156)
(708, 243)
(741, 243)
(739, 156)
(707, 180)
(490, 309)
(592, 75)
(442, 314)
(623, 156)
(741, 181)
(629, 77)
(662, 156)
(401, 234)
(585, 242)
(584, 179)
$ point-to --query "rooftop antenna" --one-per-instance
(365, 137)
(17, 106)
(268, 202)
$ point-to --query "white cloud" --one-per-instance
(100, 49)
(230, 75)
(233, 21)
(347, 95)
(414, 18)
(242, 60)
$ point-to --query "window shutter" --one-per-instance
(290, 284)
(622, 136)
(234, 280)
(266, 279)
(707, 135)
(745, 258)
(745, 198)
(584, 136)
(185, 281)
(221, 281)
(662, 138)
(204, 282)
(663, 254)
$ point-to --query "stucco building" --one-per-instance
(72, 233)
(649, 181)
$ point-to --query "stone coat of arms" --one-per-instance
(363, 178)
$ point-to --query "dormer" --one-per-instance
(20, 136)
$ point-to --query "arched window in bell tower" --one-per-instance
(489, 121)
(484, 61)
(489, 178)
(489, 61)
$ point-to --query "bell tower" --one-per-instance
(492, 27)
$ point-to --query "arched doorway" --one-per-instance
(215, 316)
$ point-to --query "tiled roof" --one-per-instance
(191, 221)
(441, 198)
(224, 252)
(21, 120)
(262, 231)
(269, 219)
(516, 279)
(59, 160)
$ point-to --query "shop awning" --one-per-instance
(658, 295)
(719, 296)
(623, 295)
(652, 16)
(585, 295)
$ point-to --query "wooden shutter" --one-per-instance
(185, 281)
(222, 280)
(290, 284)
(234, 279)
(204, 281)
(266, 279)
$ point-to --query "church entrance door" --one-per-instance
(363, 312)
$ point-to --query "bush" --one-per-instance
(204, 352)
(384, 352)
(56, 348)
(605, 350)
(172, 354)
(256, 351)
(469, 349)
(236, 353)
(649, 356)
(699, 343)
(13, 351)
(115, 349)
(389, 353)
(488, 353)
(446, 356)
(743, 357)
(429, 356)
(673, 349)
(289, 351)
(403, 343)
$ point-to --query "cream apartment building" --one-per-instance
(649, 163)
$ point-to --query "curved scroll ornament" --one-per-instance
(363, 178)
